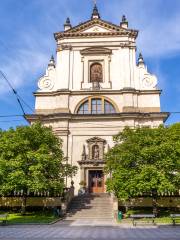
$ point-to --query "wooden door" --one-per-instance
(96, 181)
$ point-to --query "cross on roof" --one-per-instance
(95, 13)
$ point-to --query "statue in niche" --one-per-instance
(95, 152)
(96, 73)
(84, 153)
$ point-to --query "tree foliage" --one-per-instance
(144, 161)
(31, 159)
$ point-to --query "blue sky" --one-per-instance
(27, 42)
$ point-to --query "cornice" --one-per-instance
(91, 162)
(96, 117)
(98, 92)
(96, 51)
(62, 35)
(77, 30)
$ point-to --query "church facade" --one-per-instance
(95, 88)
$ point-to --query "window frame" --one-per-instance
(95, 107)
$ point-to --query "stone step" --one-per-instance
(89, 218)
(91, 207)
(90, 210)
(100, 206)
(97, 208)
(91, 204)
(93, 196)
(92, 201)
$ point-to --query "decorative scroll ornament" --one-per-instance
(149, 81)
(45, 83)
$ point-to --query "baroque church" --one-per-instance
(96, 86)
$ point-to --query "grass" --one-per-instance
(164, 215)
(31, 217)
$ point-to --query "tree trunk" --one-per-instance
(23, 205)
(154, 204)
(127, 203)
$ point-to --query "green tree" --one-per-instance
(144, 161)
(31, 159)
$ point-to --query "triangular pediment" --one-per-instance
(95, 25)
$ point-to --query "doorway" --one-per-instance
(96, 181)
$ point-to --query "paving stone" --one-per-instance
(52, 232)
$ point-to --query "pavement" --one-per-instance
(72, 231)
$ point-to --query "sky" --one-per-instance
(27, 43)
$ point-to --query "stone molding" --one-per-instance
(77, 31)
(125, 109)
(52, 111)
(141, 109)
(101, 92)
(87, 61)
(92, 163)
(116, 116)
(96, 51)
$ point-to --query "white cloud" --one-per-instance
(157, 22)
(24, 62)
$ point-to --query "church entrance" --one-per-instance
(96, 181)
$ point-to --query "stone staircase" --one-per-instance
(98, 207)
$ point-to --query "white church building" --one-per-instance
(96, 86)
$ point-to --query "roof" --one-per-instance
(112, 30)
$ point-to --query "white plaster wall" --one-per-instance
(76, 71)
(116, 69)
(123, 70)
(63, 69)
(87, 42)
(45, 102)
(51, 102)
(121, 100)
(149, 100)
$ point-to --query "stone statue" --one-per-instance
(84, 153)
(96, 152)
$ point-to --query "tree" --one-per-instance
(144, 161)
(31, 159)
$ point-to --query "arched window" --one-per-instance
(96, 106)
(96, 73)
(84, 108)
(108, 107)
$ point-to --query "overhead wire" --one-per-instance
(9, 116)
(15, 93)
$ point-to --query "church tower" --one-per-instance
(95, 87)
